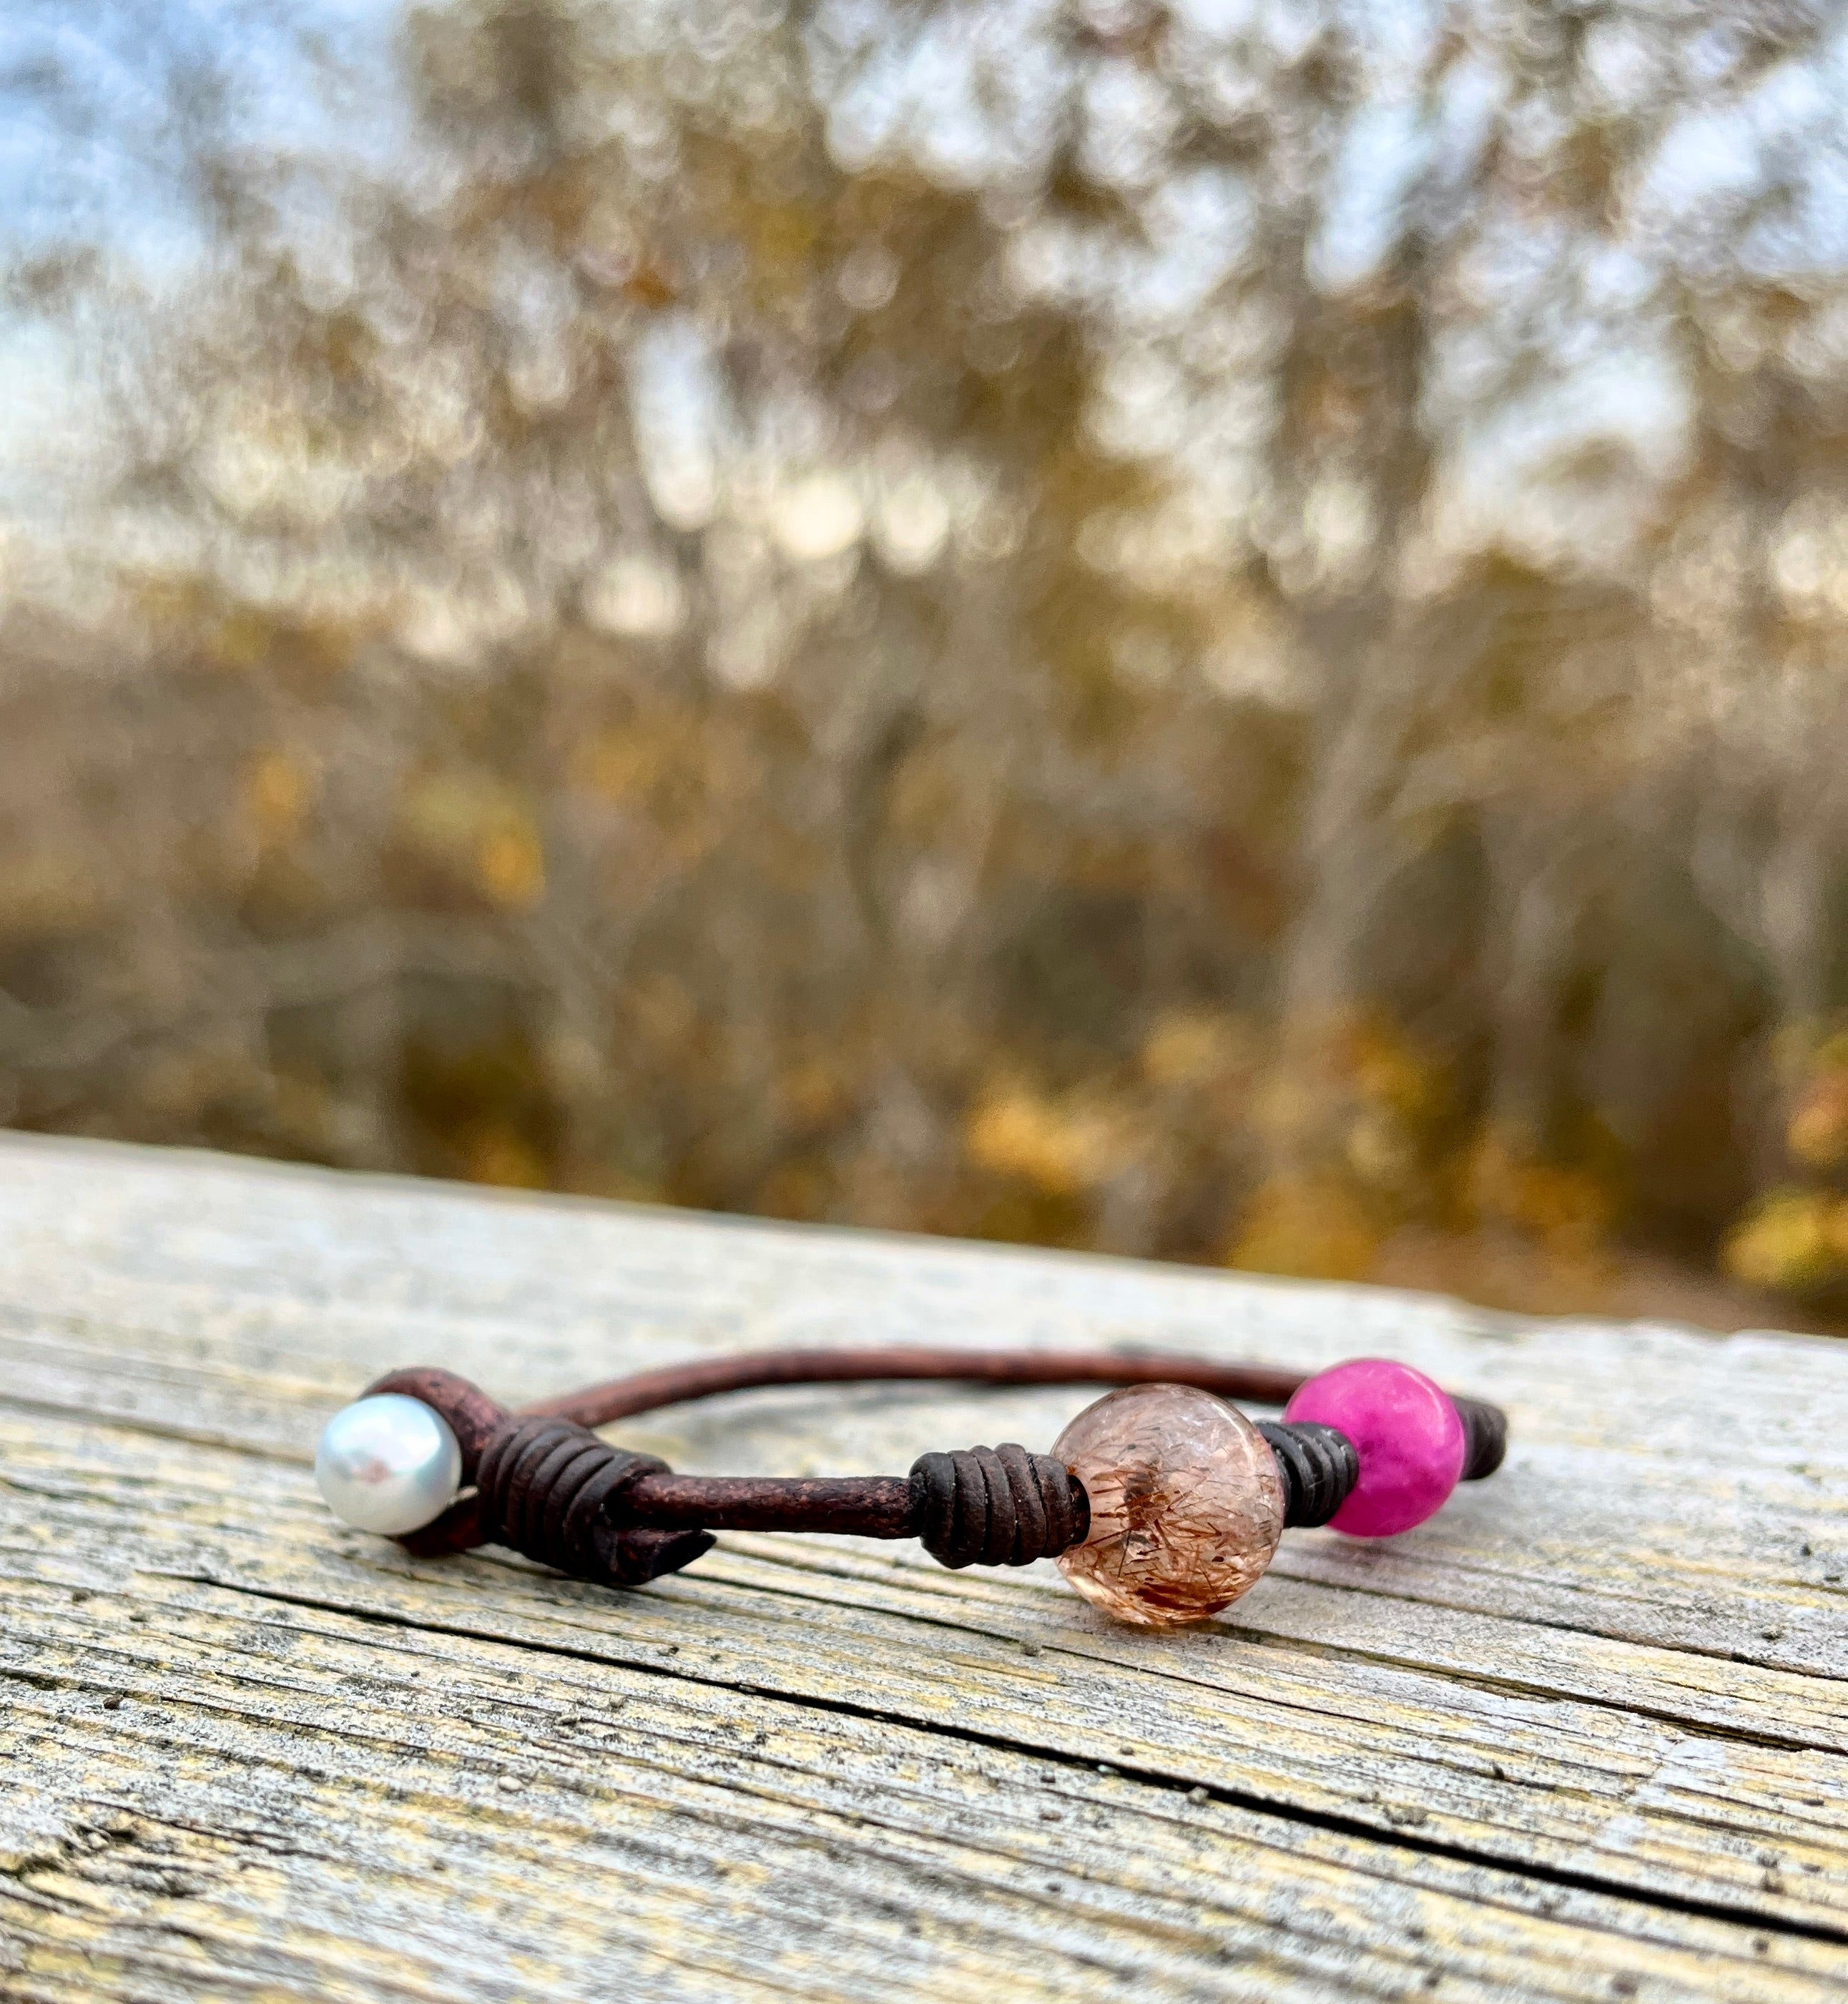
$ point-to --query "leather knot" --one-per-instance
(997, 1506)
(1319, 1466)
(551, 1490)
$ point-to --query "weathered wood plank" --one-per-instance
(1585, 1734)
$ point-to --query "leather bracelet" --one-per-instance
(1161, 1502)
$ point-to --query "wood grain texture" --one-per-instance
(1585, 1735)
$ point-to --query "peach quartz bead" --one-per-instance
(1186, 1504)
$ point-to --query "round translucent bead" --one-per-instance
(388, 1463)
(1186, 1504)
(1405, 1431)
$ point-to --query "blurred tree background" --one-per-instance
(1214, 629)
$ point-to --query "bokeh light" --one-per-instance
(1217, 629)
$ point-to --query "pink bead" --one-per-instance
(1405, 1431)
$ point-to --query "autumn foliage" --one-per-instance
(1165, 628)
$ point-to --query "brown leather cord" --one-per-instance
(1485, 1437)
(1319, 1465)
(997, 1506)
(622, 1398)
(547, 1486)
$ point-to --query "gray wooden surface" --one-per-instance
(1583, 1736)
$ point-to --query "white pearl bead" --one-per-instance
(388, 1463)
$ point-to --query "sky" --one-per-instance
(94, 94)
(96, 99)
(99, 100)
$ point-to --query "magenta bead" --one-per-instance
(1404, 1430)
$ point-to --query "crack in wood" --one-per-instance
(1392, 1838)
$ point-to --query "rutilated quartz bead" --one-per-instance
(1186, 1504)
